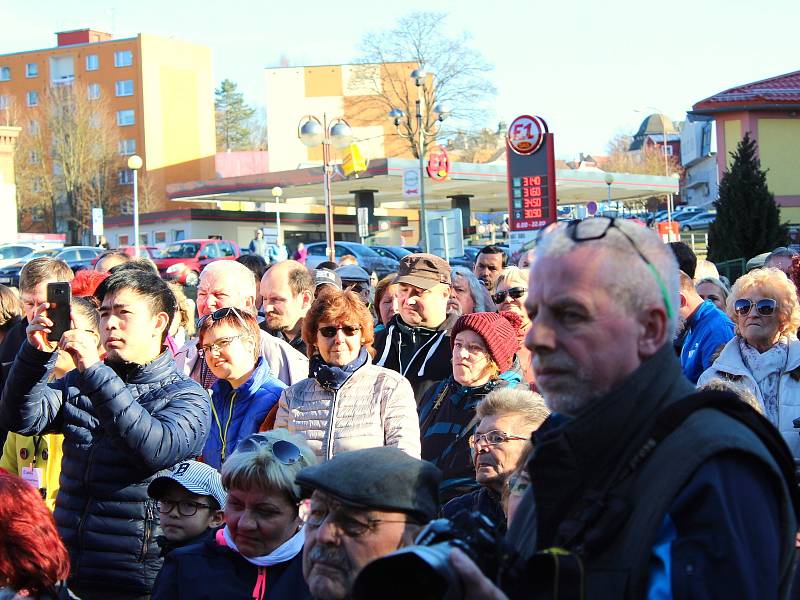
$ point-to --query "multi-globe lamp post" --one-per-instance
(418, 137)
(313, 132)
(134, 164)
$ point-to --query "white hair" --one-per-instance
(235, 272)
(511, 275)
(523, 403)
(631, 281)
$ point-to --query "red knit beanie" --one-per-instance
(499, 333)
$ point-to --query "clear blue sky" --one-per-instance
(583, 66)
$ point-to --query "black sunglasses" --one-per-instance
(764, 307)
(284, 452)
(330, 330)
(516, 293)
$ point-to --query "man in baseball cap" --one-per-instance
(416, 342)
(190, 499)
(364, 504)
(323, 277)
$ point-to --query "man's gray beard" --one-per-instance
(565, 404)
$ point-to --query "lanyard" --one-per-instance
(223, 434)
(37, 440)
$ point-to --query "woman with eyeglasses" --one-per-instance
(347, 403)
(483, 347)
(258, 554)
(764, 355)
(245, 391)
(511, 291)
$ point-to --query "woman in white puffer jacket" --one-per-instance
(347, 403)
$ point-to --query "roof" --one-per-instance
(782, 91)
(653, 125)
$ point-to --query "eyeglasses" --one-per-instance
(765, 307)
(285, 452)
(340, 518)
(186, 508)
(220, 344)
(577, 231)
(493, 438)
(331, 330)
(516, 293)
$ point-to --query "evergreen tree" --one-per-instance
(748, 220)
(233, 118)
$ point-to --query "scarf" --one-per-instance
(283, 553)
(333, 378)
(766, 368)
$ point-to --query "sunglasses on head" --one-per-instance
(765, 307)
(516, 293)
(284, 452)
(330, 330)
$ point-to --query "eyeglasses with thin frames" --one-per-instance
(493, 438)
(318, 513)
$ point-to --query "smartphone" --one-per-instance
(59, 297)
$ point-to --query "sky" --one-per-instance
(592, 70)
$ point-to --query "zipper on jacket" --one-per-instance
(329, 449)
(148, 521)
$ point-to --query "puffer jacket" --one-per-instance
(730, 366)
(254, 399)
(374, 407)
(122, 426)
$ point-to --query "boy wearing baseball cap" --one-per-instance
(190, 500)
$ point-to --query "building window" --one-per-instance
(127, 147)
(37, 214)
(122, 240)
(32, 70)
(37, 184)
(92, 62)
(33, 127)
(123, 58)
(33, 98)
(125, 87)
(159, 237)
(33, 157)
(125, 176)
(178, 235)
(126, 208)
(125, 117)
(94, 91)
(5, 73)
(4, 101)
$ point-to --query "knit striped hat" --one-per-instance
(498, 330)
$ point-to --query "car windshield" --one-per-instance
(187, 250)
(41, 253)
(13, 252)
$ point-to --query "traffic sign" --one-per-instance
(410, 183)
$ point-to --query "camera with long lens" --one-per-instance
(424, 572)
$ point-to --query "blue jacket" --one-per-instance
(122, 426)
(254, 399)
(707, 330)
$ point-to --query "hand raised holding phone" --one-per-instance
(39, 329)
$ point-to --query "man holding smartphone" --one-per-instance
(124, 420)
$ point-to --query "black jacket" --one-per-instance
(208, 571)
(13, 341)
(122, 425)
(430, 358)
(482, 500)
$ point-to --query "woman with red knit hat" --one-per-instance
(483, 348)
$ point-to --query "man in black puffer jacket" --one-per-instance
(124, 420)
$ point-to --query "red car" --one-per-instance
(182, 261)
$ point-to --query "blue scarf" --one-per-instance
(330, 377)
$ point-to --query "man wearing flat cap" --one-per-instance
(416, 343)
(364, 504)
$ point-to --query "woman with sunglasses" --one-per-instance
(347, 403)
(259, 552)
(764, 355)
(245, 391)
(511, 291)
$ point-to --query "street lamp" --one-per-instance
(277, 192)
(419, 76)
(609, 180)
(313, 132)
(134, 164)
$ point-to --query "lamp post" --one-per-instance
(609, 180)
(418, 137)
(313, 132)
(134, 164)
(277, 192)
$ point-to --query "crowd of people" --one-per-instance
(621, 416)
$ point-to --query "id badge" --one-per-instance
(34, 476)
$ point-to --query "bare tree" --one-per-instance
(647, 161)
(69, 153)
(457, 80)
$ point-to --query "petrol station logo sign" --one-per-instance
(526, 134)
(438, 164)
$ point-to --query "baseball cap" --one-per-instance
(195, 477)
(423, 271)
(352, 273)
(323, 276)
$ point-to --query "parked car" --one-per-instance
(77, 257)
(11, 253)
(681, 213)
(701, 221)
(182, 261)
(370, 260)
(468, 259)
(150, 252)
(395, 252)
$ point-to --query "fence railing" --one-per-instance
(732, 269)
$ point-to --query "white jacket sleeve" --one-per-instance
(400, 419)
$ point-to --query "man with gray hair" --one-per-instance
(225, 284)
(781, 259)
(506, 419)
(644, 486)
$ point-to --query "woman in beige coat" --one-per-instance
(347, 403)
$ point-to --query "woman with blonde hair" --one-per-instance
(347, 403)
(764, 355)
(511, 291)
